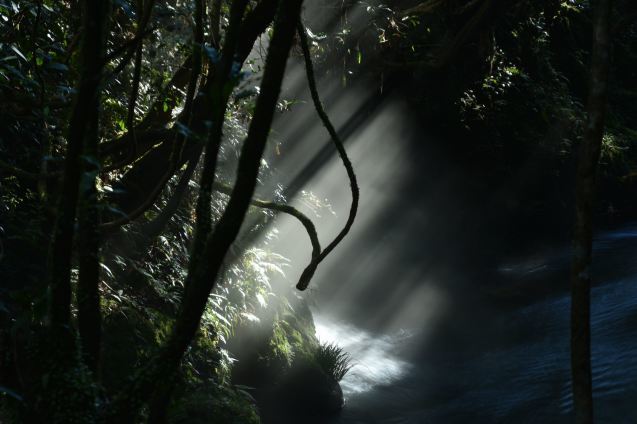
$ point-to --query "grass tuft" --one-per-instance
(333, 360)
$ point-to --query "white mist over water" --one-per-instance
(374, 358)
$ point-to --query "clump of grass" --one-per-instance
(333, 360)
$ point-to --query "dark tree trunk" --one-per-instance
(63, 398)
(202, 277)
(88, 299)
(584, 192)
(215, 24)
(219, 96)
(83, 116)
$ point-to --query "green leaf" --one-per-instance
(19, 53)
(57, 66)
(313, 36)
(250, 317)
(10, 393)
(107, 270)
(221, 317)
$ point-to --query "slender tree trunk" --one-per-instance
(584, 192)
(201, 278)
(215, 23)
(88, 298)
(79, 128)
(219, 95)
(132, 103)
(63, 397)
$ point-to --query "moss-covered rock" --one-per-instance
(266, 350)
(128, 339)
(279, 356)
(213, 404)
(308, 389)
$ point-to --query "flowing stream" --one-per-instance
(519, 371)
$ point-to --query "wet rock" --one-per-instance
(307, 389)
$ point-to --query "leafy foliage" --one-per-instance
(333, 360)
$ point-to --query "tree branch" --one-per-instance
(218, 98)
(286, 209)
(309, 271)
(141, 31)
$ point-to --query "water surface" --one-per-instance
(510, 364)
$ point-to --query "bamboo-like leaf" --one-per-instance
(19, 53)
